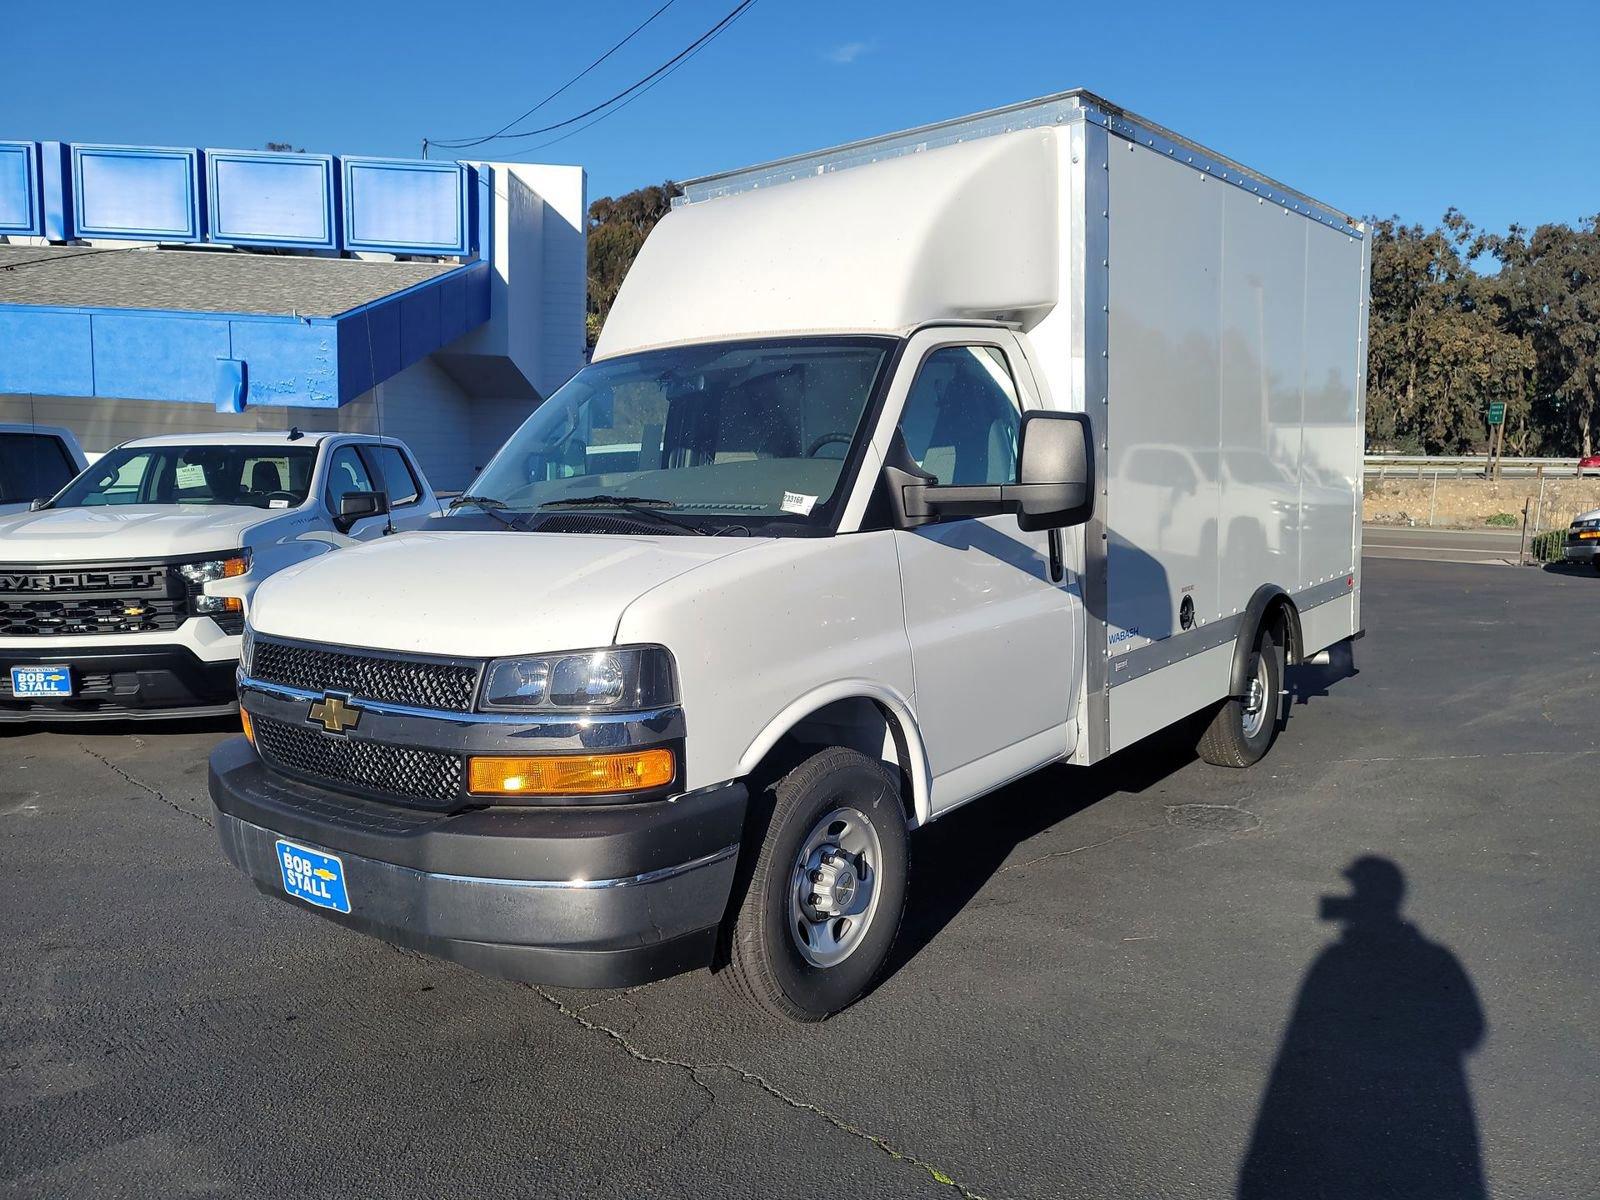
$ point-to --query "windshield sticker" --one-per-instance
(798, 502)
(277, 504)
(191, 475)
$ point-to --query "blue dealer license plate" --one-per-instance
(313, 876)
(30, 682)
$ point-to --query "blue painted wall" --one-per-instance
(319, 362)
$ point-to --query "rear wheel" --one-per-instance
(825, 889)
(1244, 728)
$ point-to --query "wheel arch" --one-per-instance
(1273, 608)
(859, 713)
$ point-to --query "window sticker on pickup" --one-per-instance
(798, 502)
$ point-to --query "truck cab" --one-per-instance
(124, 594)
(35, 461)
(835, 534)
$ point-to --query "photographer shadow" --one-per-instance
(1369, 1094)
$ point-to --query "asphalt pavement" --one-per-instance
(1113, 982)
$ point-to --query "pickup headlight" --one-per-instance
(624, 679)
(202, 573)
(198, 574)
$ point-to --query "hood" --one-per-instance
(478, 595)
(124, 531)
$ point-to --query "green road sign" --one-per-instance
(1497, 412)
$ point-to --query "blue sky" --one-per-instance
(1404, 108)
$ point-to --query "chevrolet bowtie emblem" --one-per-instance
(334, 714)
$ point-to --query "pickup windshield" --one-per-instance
(745, 436)
(248, 476)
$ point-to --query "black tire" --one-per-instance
(763, 960)
(1229, 740)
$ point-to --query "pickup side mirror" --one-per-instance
(355, 505)
(1055, 486)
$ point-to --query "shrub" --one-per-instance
(1510, 519)
(1549, 546)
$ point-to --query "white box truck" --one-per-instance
(901, 470)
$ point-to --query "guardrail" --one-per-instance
(1426, 466)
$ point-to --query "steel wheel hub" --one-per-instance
(1255, 701)
(833, 892)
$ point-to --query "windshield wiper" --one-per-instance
(486, 504)
(639, 506)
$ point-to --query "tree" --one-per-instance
(1440, 349)
(617, 228)
(1548, 289)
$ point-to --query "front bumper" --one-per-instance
(1585, 551)
(134, 682)
(595, 896)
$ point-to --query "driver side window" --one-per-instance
(962, 418)
(346, 474)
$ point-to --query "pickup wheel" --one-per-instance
(1243, 729)
(824, 890)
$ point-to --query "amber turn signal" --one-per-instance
(249, 728)
(571, 774)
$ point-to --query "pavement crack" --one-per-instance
(695, 1070)
(142, 785)
(1116, 837)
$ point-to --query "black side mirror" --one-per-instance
(355, 505)
(1055, 486)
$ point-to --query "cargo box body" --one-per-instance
(1209, 320)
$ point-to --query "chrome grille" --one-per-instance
(420, 683)
(426, 777)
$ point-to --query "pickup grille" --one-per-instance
(420, 683)
(428, 778)
(41, 601)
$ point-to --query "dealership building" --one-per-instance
(150, 290)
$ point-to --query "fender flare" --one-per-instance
(1267, 597)
(900, 714)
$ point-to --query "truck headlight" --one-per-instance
(623, 679)
(202, 573)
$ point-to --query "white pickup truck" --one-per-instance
(124, 594)
(900, 471)
(35, 461)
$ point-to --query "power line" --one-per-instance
(636, 96)
(459, 143)
(649, 79)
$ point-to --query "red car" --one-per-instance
(1592, 463)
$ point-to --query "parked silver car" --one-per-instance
(1583, 539)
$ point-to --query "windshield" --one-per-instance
(249, 476)
(747, 436)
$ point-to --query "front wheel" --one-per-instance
(1243, 728)
(825, 890)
